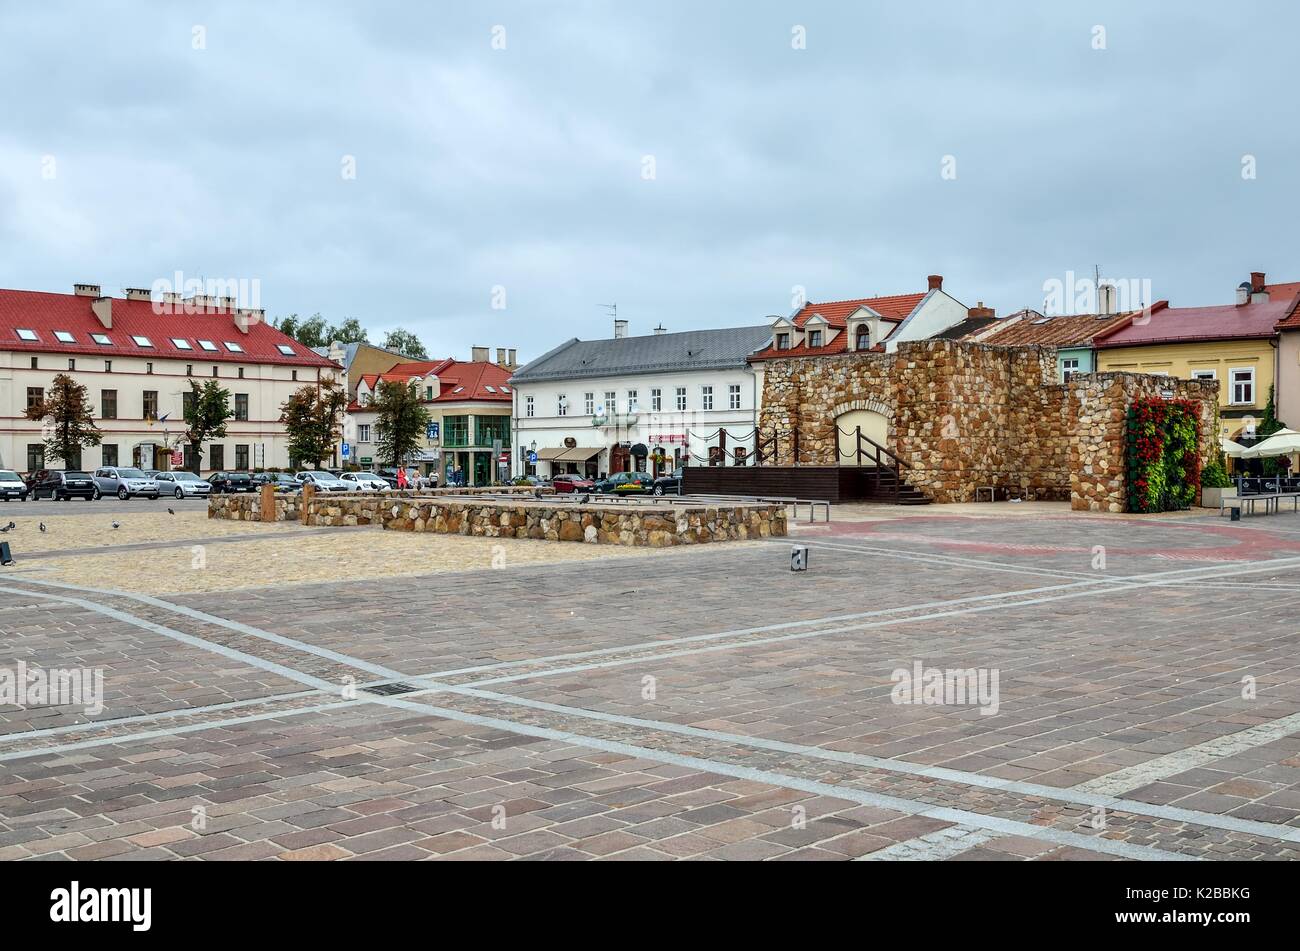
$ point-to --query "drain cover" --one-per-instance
(389, 690)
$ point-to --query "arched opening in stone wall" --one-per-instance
(874, 425)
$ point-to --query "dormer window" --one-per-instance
(62, 336)
(814, 338)
(783, 341)
(863, 340)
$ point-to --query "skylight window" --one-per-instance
(285, 349)
(62, 336)
(459, 389)
(208, 345)
(489, 388)
(24, 334)
(180, 343)
(505, 389)
(142, 341)
(101, 339)
(233, 347)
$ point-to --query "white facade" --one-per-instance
(677, 413)
(126, 383)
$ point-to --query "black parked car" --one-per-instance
(625, 483)
(63, 484)
(670, 484)
(282, 481)
(231, 482)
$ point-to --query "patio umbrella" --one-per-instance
(1281, 443)
(1229, 448)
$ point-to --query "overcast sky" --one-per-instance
(682, 159)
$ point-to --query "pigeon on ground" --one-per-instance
(43, 528)
(171, 511)
(5, 529)
(585, 499)
(12, 525)
(116, 523)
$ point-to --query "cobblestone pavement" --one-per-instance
(1140, 700)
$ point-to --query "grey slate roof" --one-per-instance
(657, 353)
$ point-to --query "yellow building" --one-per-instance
(1235, 344)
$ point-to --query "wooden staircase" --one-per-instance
(883, 484)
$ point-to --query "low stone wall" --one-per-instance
(649, 524)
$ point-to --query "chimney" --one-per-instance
(1256, 281)
(247, 318)
(479, 354)
(501, 356)
(228, 302)
(1105, 299)
(86, 290)
(203, 301)
(103, 308)
(661, 329)
(620, 329)
(936, 282)
(1243, 293)
(510, 358)
(138, 293)
(171, 297)
(979, 310)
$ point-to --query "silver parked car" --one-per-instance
(182, 485)
(364, 482)
(323, 481)
(124, 483)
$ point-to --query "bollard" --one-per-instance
(799, 558)
(308, 496)
(268, 503)
(6, 556)
(1235, 515)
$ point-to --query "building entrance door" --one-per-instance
(875, 426)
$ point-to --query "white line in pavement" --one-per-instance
(905, 806)
(287, 672)
(931, 847)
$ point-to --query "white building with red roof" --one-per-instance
(868, 323)
(136, 355)
(468, 402)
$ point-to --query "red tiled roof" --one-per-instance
(1289, 292)
(1185, 324)
(45, 313)
(473, 379)
(894, 308)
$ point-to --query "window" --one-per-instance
(189, 369)
(656, 400)
(783, 341)
(240, 373)
(285, 349)
(561, 406)
(363, 432)
(733, 396)
(706, 397)
(25, 334)
(1069, 367)
(35, 396)
(589, 404)
(814, 338)
(180, 343)
(863, 339)
(108, 405)
(189, 460)
(73, 461)
(64, 337)
(148, 367)
(233, 347)
(188, 402)
(217, 456)
(455, 430)
(681, 399)
(489, 388)
(214, 371)
(35, 363)
(293, 375)
(72, 363)
(241, 456)
(108, 366)
(611, 402)
(488, 429)
(631, 401)
(108, 454)
(150, 407)
(208, 345)
(101, 339)
(428, 393)
(142, 341)
(35, 456)
(241, 407)
(528, 406)
(1243, 387)
(1205, 374)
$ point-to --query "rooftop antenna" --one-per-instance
(612, 308)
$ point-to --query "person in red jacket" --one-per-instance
(401, 477)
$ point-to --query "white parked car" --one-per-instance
(364, 482)
(182, 485)
(323, 481)
(12, 486)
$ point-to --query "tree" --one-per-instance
(206, 409)
(313, 416)
(350, 331)
(68, 423)
(405, 343)
(314, 331)
(401, 423)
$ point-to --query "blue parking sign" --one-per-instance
(346, 450)
(431, 431)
